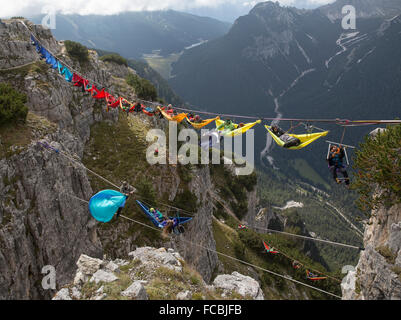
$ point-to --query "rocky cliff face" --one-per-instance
(39, 224)
(378, 273)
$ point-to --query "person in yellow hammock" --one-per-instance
(227, 125)
(288, 140)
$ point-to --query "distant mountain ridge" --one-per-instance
(133, 34)
(364, 8)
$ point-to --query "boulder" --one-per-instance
(87, 265)
(103, 276)
(184, 295)
(136, 291)
(63, 294)
(243, 285)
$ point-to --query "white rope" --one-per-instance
(310, 238)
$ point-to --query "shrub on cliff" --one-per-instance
(378, 165)
(114, 57)
(12, 105)
(77, 51)
(143, 88)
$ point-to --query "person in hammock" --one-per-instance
(127, 190)
(288, 140)
(168, 224)
(335, 160)
(137, 107)
(227, 125)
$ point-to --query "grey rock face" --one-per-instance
(40, 223)
(244, 285)
(88, 265)
(151, 256)
(63, 294)
(103, 276)
(136, 291)
(184, 295)
(200, 230)
(377, 272)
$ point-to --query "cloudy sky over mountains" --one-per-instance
(105, 7)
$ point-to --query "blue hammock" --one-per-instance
(177, 220)
(104, 204)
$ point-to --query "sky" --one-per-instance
(212, 8)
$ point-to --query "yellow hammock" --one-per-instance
(238, 130)
(305, 139)
(178, 118)
(200, 125)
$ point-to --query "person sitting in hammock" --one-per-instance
(197, 119)
(288, 140)
(227, 125)
(137, 107)
(336, 164)
(168, 224)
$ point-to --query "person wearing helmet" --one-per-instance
(335, 160)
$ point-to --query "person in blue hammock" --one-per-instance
(168, 224)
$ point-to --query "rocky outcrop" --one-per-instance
(200, 231)
(243, 285)
(145, 271)
(378, 273)
(39, 224)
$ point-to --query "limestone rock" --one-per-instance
(184, 295)
(88, 265)
(244, 285)
(136, 291)
(103, 276)
(113, 267)
(63, 294)
(160, 256)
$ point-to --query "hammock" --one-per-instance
(177, 220)
(313, 277)
(178, 118)
(305, 139)
(238, 130)
(268, 249)
(200, 125)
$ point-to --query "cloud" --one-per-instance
(106, 7)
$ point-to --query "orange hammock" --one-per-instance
(200, 125)
(313, 277)
(178, 118)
